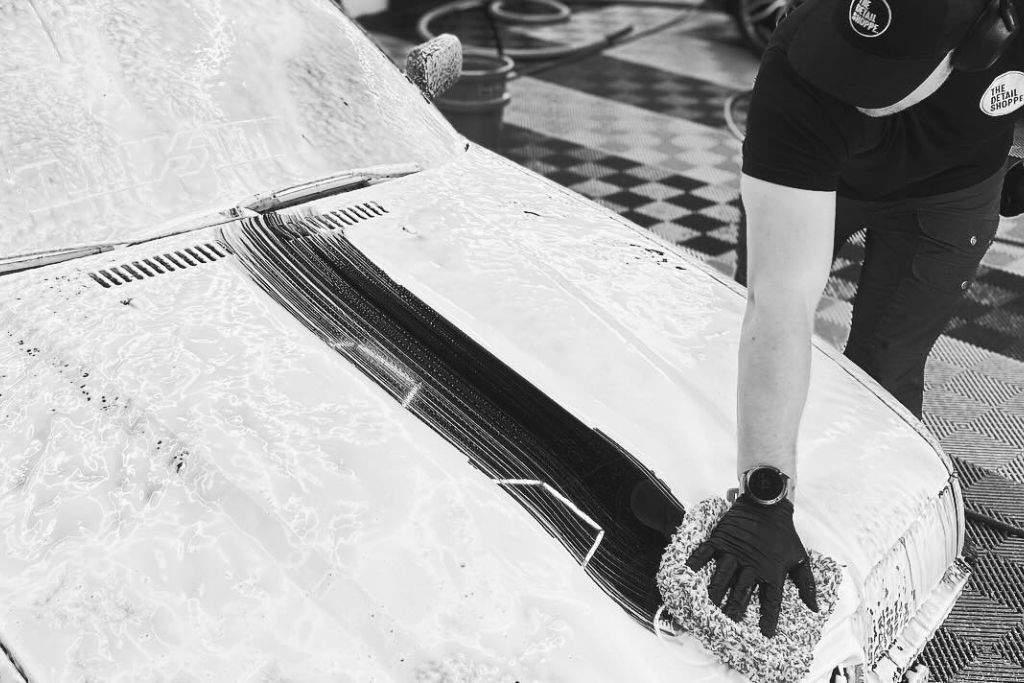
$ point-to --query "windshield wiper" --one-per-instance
(262, 202)
(38, 259)
(13, 264)
(265, 202)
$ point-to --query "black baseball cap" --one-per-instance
(873, 53)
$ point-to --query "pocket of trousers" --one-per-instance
(951, 248)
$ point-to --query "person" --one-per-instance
(891, 115)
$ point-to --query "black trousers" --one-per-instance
(921, 255)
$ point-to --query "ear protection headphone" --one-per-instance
(988, 38)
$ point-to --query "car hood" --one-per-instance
(192, 483)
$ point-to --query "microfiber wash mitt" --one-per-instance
(785, 658)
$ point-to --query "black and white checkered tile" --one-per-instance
(669, 204)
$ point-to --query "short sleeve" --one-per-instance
(795, 133)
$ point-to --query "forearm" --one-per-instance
(774, 371)
(789, 245)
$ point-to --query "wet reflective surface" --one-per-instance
(119, 116)
(193, 487)
(640, 341)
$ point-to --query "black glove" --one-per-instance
(1012, 202)
(756, 546)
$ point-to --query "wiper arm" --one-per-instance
(38, 259)
(262, 202)
(13, 264)
(346, 181)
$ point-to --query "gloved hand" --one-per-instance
(756, 546)
(1012, 201)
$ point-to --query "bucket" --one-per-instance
(476, 103)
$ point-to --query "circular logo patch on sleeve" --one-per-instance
(870, 18)
(1005, 95)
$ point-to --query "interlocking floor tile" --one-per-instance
(676, 207)
(989, 669)
(985, 538)
(832, 321)
(1007, 426)
(678, 50)
(1011, 648)
(1000, 580)
(981, 449)
(982, 620)
(1011, 548)
(947, 405)
(958, 353)
(948, 654)
(1014, 469)
(990, 389)
(937, 373)
(999, 495)
(647, 137)
(668, 93)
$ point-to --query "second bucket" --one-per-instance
(475, 105)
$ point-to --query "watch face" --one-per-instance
(765, 483)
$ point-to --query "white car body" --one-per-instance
(193, 486)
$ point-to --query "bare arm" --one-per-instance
(789, 243)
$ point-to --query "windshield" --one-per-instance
(116, 116)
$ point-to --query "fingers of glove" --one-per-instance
(736, 606)
(725, 571)
(701, 555)
(804, 580)
(771, 605)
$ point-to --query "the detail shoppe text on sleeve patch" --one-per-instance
(1005, 95)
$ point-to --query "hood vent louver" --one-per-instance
(305, 224)
(198, 254)
(339, 218)
(360, 212)
(188, 257)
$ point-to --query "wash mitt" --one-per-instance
(784, 658)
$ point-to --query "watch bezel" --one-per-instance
(783, 494)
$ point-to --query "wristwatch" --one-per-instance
(767, 485)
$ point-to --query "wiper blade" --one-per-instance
(13, 264)
(264, 202)
(38, 259)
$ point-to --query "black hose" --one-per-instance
(489, 15)
(1006, 240)
(560, 12)
(669, 4)
(537, 54)
(987, 520)
(610, 40)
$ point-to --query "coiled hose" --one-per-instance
(554, 11)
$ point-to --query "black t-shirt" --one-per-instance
(958, 136)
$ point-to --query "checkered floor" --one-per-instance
(693, 213)
(641, 129)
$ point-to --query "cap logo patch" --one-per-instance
(870, 18)
(1005, 95)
